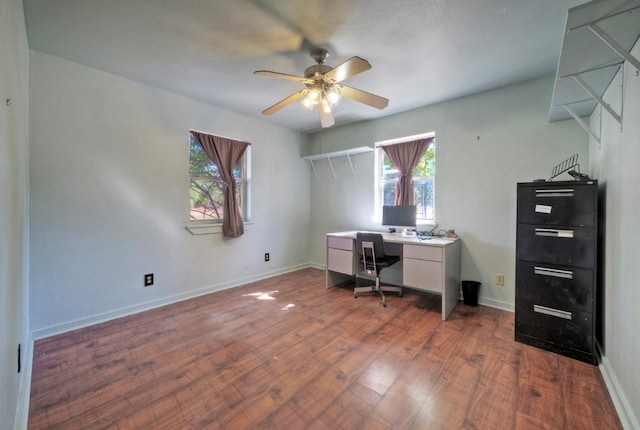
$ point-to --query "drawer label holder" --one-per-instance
(543, 209)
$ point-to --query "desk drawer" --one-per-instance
(341, 261)
(340, 243)
(422, 275)
(419, 252)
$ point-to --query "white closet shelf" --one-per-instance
(337, 154)
(330, 155)
(597, 40)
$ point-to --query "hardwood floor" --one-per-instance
(288, 353)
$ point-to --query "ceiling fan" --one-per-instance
(324, 88)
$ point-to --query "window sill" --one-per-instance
(197, 229)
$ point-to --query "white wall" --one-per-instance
(109, 198)
(616, 163)
(14, 197)
(486, 143)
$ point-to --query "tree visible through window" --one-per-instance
(206, 187)
(423, 182)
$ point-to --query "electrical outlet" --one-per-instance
(148, 279)
(266, 256)
(499, 279)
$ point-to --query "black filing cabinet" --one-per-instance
(556, 255)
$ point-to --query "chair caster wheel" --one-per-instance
(355, 296)
(384, 304)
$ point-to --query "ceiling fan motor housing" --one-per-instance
(319, 55)
(311, 71)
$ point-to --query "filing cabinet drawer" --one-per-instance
(565, 246)
(430, 253)
(572, 329)
(569, 204)
(556, 286)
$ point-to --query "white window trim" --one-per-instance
(377, 210)
(211, 228)
(198, 227)
(429, 135)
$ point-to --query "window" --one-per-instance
(423, 180)
(206, 195)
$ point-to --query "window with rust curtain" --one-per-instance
(405, 157)
(225, 154)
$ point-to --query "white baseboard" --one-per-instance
(130, 310)
(625, 413)
(498, 304)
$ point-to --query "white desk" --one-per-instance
(431, 265)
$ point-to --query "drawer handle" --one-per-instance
(553, 232)
(553, 312)
(556, 273)
(555, 193)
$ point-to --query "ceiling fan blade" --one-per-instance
(282, 103)
(364, 97)
(326, 118)
(351, 67)
(269, 74)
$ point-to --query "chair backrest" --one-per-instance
(375, 238)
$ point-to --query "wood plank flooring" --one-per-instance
(286, 353)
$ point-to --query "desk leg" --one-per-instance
(450, 298)
(451, 290)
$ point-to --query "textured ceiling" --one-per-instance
(422, 51)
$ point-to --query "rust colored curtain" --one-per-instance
(225, 154)
(405, 157)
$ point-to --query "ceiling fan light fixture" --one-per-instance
(313, 97)
(306, 102)
(315, 94)
(333, 95)
(326, 95)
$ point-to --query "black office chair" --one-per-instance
(370, 247)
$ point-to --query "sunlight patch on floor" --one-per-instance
(268, 295)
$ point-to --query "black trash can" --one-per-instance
(470, 292)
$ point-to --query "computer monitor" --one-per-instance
(399, 216)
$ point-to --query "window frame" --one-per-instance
(243, 187)
(380, 181)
